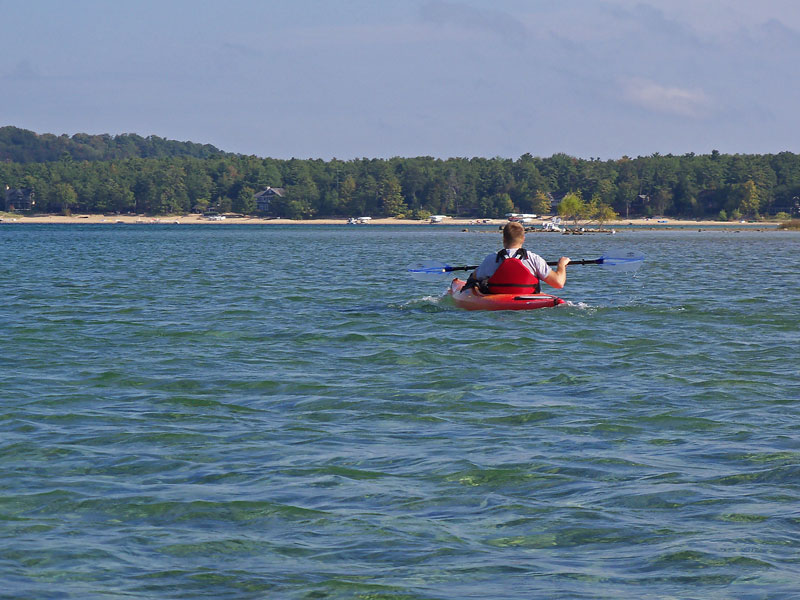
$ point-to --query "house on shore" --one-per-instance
(266, 196)
(17, 199)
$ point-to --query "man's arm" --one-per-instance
(558, 276)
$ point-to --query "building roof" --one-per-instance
(270, 191)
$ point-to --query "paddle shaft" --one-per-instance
(583, 261)
(552, 263)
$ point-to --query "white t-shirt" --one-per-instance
(535, 263)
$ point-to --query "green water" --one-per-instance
(279, 412)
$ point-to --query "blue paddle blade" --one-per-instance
(427, 270)
(622, 260)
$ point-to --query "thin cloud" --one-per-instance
(497, 22)
(24, 71)
(669, 100)
(241, 50)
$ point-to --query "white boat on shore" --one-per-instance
(553, 224)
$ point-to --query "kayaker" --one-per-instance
(516, 270)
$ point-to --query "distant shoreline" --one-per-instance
(654, 223)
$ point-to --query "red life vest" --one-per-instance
(512, 276)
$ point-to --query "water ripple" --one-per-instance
(178, 422)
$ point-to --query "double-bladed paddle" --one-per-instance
(618, 260)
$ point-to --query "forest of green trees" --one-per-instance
(131, 174)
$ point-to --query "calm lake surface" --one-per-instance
(280, 412)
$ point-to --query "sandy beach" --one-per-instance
(196, 219)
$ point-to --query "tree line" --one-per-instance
(175, 181)
(22, 145)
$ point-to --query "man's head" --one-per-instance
(513, 235)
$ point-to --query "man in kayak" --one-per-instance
(516, 270)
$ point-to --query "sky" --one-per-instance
(382, 78)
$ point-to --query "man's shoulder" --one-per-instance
(531, 255)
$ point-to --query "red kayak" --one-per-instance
(472, 299)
